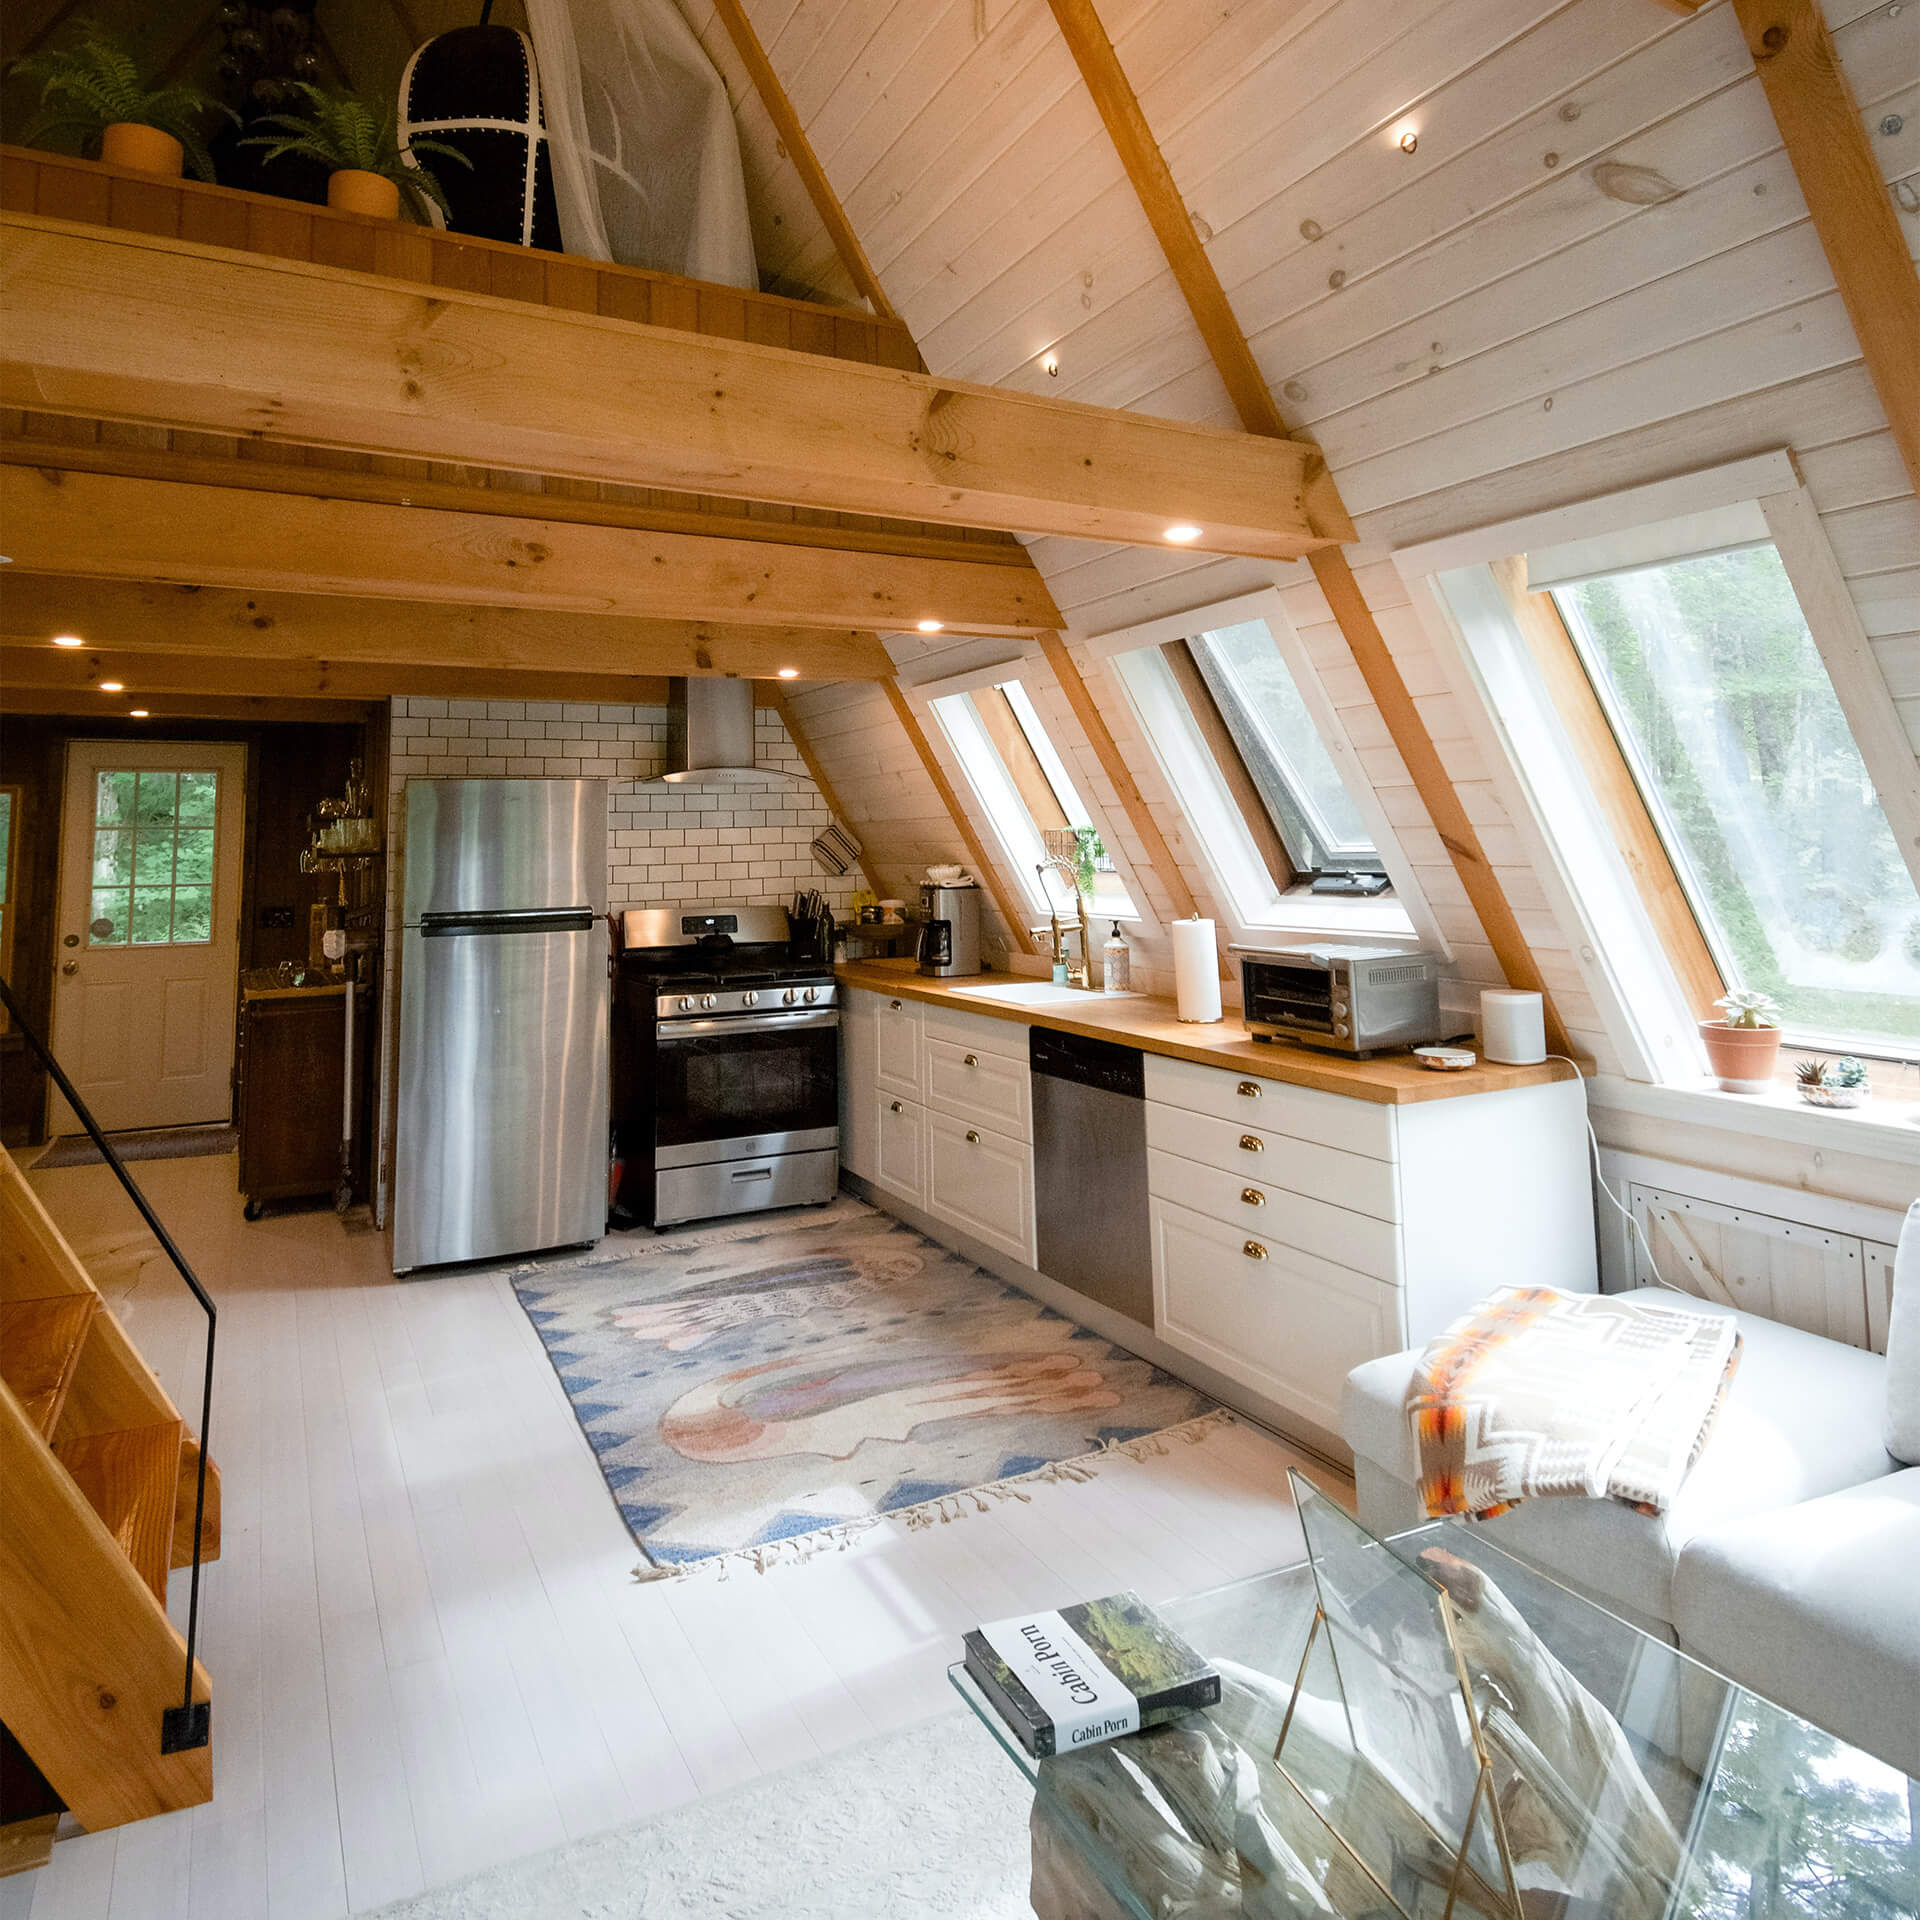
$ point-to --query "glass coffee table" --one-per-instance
(1468, 1739)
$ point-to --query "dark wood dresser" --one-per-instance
(291, 1067)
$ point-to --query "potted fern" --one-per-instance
(95, 88)
(1742, 1048)
(370, 165)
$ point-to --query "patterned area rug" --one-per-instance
(159, 1143)
(762, 1389)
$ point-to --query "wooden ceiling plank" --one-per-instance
(1839, 175)
(805, 162)
(146, 616)
(327, 357)
(1226, 343)
(108, 526)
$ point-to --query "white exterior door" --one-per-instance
(147, 953)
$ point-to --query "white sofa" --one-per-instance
(1790, 1559)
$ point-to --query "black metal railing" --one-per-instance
(190, 1724)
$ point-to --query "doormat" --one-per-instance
(772, 1390)
(157, 1143)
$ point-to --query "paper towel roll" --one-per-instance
(1196, 970)
(1513, 1027)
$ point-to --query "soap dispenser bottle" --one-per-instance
(1116, 963)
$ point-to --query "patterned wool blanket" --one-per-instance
(1539, 1392)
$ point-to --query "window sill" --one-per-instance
(1881, 1129)
(1298, 917)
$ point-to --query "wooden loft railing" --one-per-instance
(63, 188)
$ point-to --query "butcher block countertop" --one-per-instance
(1150, 1023)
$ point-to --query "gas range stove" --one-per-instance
(723, 996)
(710, 962)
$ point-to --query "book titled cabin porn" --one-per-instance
(1090, 1672)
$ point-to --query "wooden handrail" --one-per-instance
(65, 188)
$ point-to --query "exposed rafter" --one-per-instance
(106, 526)
(1819, 121)
(150, 617)
(1226, 342)
(799, 151)
(330, 358)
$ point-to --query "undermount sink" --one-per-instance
(1039, 993)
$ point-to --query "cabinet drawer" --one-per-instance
(976, 1032)
(1355, 1126)
(900, 1154)
(982, 1182)
(1277, 1320)
(897, 1046)
(1349, 1239)
(1277, 1159)
(986, 1088)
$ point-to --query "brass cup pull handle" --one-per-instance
(1254, 1250)
(973, 1139)
(1253, 1196)
(972, 1060)
(1250, 1089)
(896, 1106)
(894, 1005)
(1252, 1143)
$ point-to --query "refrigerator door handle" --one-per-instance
(446, 926)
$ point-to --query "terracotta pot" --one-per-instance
(1742, 1058)
(144, 149)
(351, 191)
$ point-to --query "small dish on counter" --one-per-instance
(1445, 1059)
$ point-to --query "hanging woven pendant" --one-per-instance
(478, 89)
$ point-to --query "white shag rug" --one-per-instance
(926, 1824)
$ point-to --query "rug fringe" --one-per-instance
(946, 1507)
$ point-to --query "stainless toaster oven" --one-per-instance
(1349, 999)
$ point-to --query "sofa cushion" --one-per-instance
(1803, 1417)
(1815, 1607)
(1903, 1345)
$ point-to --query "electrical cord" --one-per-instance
(1634, 1231)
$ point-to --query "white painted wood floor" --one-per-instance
(427, 1652)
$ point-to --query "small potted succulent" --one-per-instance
(370, 165)
(1742, 1048)
(1833, 1083)
(95, 88)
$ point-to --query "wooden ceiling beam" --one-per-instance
(78, 671)
(1819, 122)
(108, 526)
(162, 707)
(801, 156)
(147, 617)
(1226, 343)
(286, 350)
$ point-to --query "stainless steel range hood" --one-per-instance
(710, 736)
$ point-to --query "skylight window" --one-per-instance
(1729, 723)
(1027, 792)
(1298, 783)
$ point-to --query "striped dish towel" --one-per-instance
(1538, 1392)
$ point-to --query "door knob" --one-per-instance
(71, 966)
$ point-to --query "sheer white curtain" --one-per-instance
(646, 162)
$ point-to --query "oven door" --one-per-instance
(745, 1086)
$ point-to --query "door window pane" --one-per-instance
(1284, 754)
(1724, 711)
(153, 857)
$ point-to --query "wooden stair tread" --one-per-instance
(40, 1344)
(131, 1479)
(27, 1844)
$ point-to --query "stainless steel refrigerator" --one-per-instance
(502, 1140)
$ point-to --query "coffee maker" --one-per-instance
(950, 940)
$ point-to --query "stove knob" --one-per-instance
(686, 1003)
(808, 996)
(708, 1001)
(1340, 1029)
(749, 998)
(789, 997)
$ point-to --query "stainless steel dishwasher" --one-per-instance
(1090, 1169)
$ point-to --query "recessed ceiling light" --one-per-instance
(929, 626)
(68, 640)
(789, 673)
(113, 686)
(1183, 535)
(137, 713)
